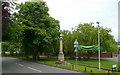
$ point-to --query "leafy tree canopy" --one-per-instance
(87, 35)
(39, 30)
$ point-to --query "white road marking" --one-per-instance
(34, 69)
(19, 64)
(46, 66)
(29, 67)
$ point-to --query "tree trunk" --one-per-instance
(11, 52)
(26, 55)
(3, 52)
(34, 57)
(111, 54)
(16, 53)
(90, 53)
(88, 57)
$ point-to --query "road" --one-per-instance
(14, 65)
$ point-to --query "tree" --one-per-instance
(5, 15)
(4, 47)
(39, 30)
(7, 9)
(68, 39)
(87, 35)
(9, 38)
(108, 42)
(10, 47)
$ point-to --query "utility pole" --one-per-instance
(98, 44)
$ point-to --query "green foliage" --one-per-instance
(13, 33)
(5, 46)
(39, 30)
(87, 35)
(68, 39)
(108, 42)
(34, 30)
(10, 46)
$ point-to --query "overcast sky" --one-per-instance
(72, 12)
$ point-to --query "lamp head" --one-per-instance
(76, 43)
(97, 22)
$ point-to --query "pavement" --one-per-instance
(113, 58)
(14, 65)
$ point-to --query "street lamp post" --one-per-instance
(76, 45)
(98, 44)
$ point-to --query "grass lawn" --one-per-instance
(74, 67)
(94, 62)
(104, 63)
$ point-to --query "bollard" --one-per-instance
(112, 70)
(115, 69)
(72, 66)
(108, 72)
(90, 70)
(85, 69)
(44, 61)
(56, 64)
(118, 69)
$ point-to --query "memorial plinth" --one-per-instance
(61, 55)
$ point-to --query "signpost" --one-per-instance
(76, 45)
(114, 68)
